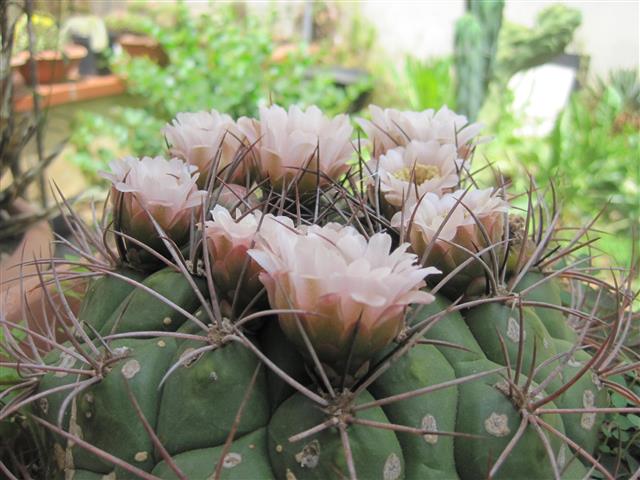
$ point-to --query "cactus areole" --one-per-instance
(281, 299)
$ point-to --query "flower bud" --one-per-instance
(235, 273)
(164, 189)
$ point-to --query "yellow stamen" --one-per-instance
(418, 174)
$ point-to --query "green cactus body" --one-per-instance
(376, 452)
(587, 392)
(449, 328)
(575, 470)
(279, 351)
(429, 455)
(201, 398)
(486, 410)
(245, 458)
(476, 44)
(103, 297)
(547, 292)
(105, 415)
(86, 475)
(469, 64)
(491, 321)
(194, 410)
(140, 310)
(49, 405)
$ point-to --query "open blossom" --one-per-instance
(228, 239)
(350, 286)
(165, 188)
(459, 233)
(407, 173)
(293, 145)
(390, 128)
(208, 140)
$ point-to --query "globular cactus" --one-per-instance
(299, 337)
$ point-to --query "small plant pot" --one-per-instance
(28, 302)
(143, 46)
(51, 66)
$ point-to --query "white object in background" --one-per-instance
(540, 94)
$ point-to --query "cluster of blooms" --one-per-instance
(416, 165)
(338, 282)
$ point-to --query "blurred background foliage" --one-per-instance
(233, 59)
(229, 61)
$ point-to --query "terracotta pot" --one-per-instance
(281, 52)
(26, 302)
(143, 46)
(51, 66)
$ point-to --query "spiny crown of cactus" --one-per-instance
(280, 300)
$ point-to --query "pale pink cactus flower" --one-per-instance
(390, 128)
(294, 145)
(355, 290)
(208, 140)
(458, 226)
(166, 189)
(405, 174)
(228, 237)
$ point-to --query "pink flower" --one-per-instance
(165, 188)
(294, 145)
(228, 239)
(407, 173)
(391, 128)
(459, 234)
(208, 140)
(356, 291)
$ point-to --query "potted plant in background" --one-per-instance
(132, 29)
(55, 61)
(25, 233)
(90, 32)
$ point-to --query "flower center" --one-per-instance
(418, 174)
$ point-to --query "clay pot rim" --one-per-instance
(70, 52)
(134, 39)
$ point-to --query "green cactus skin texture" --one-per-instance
(475, 48)
(103, 296)
(587, 392)
(245, 458)
(492, 322)
(486, 411)
(200, 399)
(106, 416)
(426, 456)
(142, 311)
(193, 410)
(377, 453)
(547, 292)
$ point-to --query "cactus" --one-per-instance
(488, 51)
(521, 48)
(358, 359)
(476, 44)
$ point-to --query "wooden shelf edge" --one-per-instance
(88, 88)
